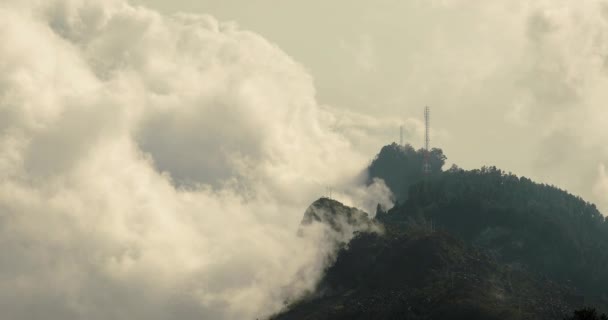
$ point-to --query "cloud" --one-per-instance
(505, 79)
(156, 166)
(368, 197)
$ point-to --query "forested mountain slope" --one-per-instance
(479, 244)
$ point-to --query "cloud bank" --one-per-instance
(520, 84)
(157, 166)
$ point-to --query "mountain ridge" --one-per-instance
(477, 244)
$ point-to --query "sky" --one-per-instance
(516, 84)
(156, 157)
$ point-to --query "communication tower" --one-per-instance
(427, 141)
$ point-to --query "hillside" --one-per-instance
(479, 244)
(335, 214)
(519, 222)
(400, 167)
(427, 275)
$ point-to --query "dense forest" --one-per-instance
(400, 166)
(474, 244)
(522, 223)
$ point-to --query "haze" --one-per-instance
(156, 157)
(516, 84)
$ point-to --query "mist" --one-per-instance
(157, 166)
(516, 84)
(156, 157)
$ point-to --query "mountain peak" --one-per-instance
(335, 214)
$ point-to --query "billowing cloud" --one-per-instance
(157, 166)
(518, 84)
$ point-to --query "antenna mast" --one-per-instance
(427, 141)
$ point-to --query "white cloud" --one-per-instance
(504, 79)
(154, 166)
(164, 160)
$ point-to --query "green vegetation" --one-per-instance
(479, 244)
(587, 314)
(401, 166)
(520, 222)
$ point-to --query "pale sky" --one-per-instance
(516, 84)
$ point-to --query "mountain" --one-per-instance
(427, 275)
(521, 223)
(479, 244)
(336, 215)
(400, 166)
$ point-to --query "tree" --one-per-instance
(401, 167)
(587, 314)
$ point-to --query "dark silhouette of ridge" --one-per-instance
(478, 244)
